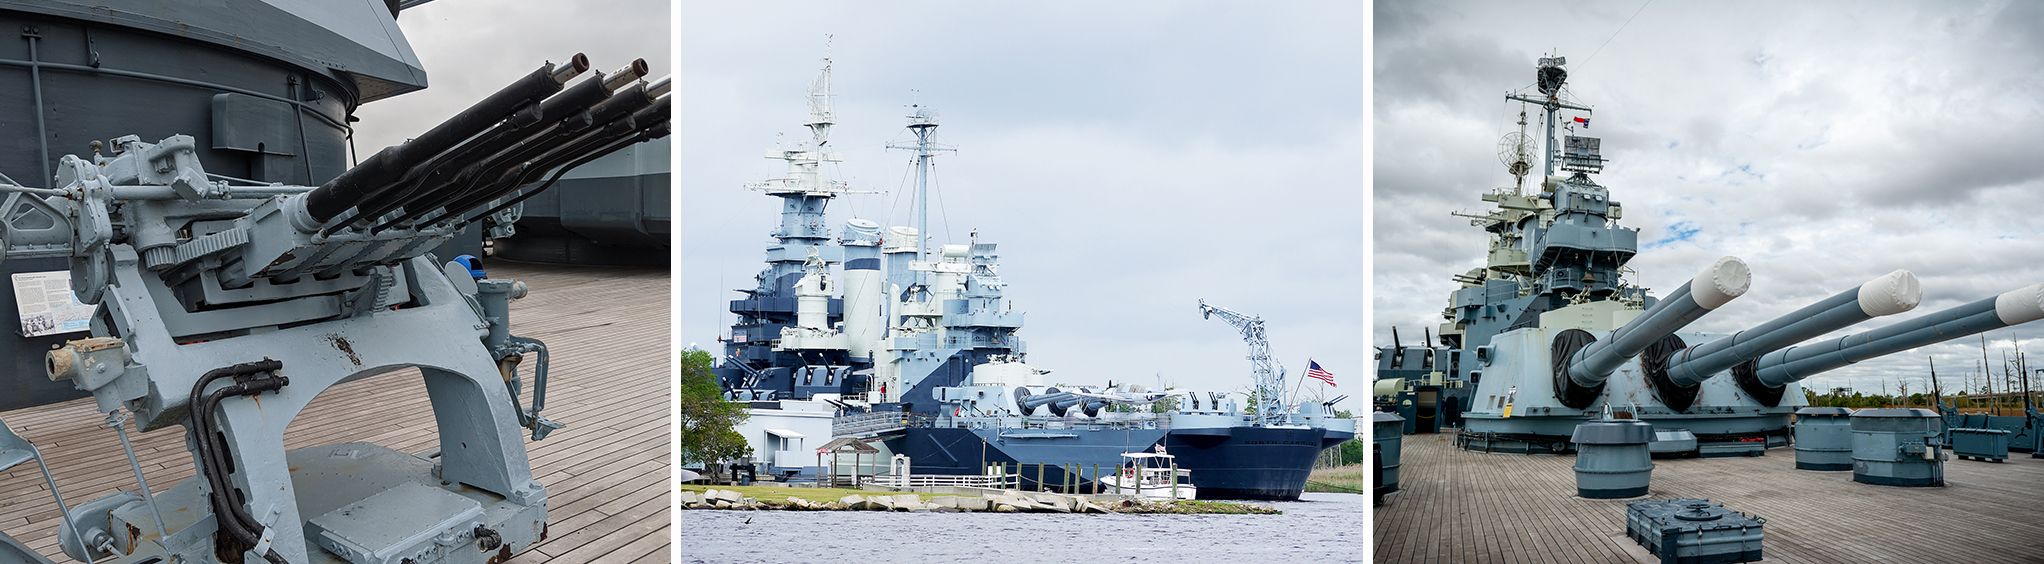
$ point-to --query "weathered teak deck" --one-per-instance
(606, 474)
(1457, 506)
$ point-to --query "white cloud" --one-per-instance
(1825, 144)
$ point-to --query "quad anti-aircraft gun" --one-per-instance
(1549, 333)
(225, 306)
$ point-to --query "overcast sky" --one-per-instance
(1130, 158)
(1824, 144)
(471, 48)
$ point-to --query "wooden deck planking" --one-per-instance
(1459, 506)
(608, 330)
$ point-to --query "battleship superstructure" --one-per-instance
(915, 347)
(1549, 332)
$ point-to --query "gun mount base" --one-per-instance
(331, 503)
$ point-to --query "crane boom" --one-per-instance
(1268, 375)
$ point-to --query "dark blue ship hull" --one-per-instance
(1250, 462)
(1041, 452)
(1226, 462)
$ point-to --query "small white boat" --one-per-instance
(1150, 476)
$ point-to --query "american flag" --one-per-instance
(1314, 371)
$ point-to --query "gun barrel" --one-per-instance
(609, 120)
(381, 171)
(1889, 294)
(1030, 403)
(1720, 283)
(1793, 364)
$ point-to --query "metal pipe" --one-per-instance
(476, 185)
(35, 80)
(625, 76)
(1794, 364)
(431, 180)
(1889, 294)
(38, 65)
(1720, 283)
(374, 177)
(114, 419)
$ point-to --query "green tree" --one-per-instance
(1166, 405)
(1353, 452)
(709, 424)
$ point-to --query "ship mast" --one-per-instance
(922, 122)
(1551, 77)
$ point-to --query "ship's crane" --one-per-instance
(1269, 375)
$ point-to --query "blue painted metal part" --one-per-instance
(1897, 447)
(1612, 459)
(1694, 531)
(1823, 438)
(1387, 431)
(474, 266)
(1980, 444)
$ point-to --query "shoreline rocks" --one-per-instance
(1000, 502)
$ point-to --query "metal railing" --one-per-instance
(872, 424)
(918, 481)
(869, 424)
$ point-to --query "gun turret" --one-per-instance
(1765, 377)
(1725, 280)
(1889, 294)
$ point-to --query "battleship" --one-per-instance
(915, 349)
(1551, 332)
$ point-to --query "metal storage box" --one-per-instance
(1612, 460)
(1981, 444)
(1387, 429)
(1823, 438)
(1694, 531)
(1897, 447)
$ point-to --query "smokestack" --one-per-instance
(864, 287)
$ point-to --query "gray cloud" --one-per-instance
(1824, 143)
(1129, 158)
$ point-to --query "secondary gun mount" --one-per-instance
(228, 307)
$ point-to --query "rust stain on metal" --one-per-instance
(341, 343)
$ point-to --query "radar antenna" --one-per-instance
(1512, 152)
(1551, 77)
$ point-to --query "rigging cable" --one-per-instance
(1614, 34)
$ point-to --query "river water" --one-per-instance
(1321, 527)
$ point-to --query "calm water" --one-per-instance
(1323, 527)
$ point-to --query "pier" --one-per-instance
(1460, 506)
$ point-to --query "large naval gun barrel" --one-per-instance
(1765, 377)
(1720, 283)
(1889, 294)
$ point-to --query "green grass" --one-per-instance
(1218, 507)
(776, 493)
(1354, 478)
